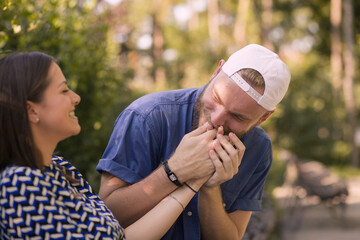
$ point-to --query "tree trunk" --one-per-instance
(242, 15)
(349, 69)
(158, 43)
(193, 22)
(213, 25)
(160, 11)
(336, 61)
(266, 23)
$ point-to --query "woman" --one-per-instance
(43, 196)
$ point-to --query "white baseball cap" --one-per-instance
(274, 71)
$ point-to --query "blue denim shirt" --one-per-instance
(148, 131)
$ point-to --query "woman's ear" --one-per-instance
(32, 112)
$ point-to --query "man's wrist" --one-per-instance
(209, 188)
(171, 175)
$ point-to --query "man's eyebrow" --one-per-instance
(239, 115)
(217, 95)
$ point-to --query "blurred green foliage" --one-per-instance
(100, 69)
(78, 39)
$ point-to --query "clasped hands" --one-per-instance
(207, 157)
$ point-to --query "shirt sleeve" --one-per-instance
(35, 205)
(134, 147)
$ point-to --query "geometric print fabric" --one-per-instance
(37, 204)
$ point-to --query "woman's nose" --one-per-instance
(76, 98)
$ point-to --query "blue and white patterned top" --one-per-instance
(46, 205)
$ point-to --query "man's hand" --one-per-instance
(226, 158)
(191, 158)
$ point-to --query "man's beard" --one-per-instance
(198, 108)
(201, 113)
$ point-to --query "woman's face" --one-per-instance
(56, 111)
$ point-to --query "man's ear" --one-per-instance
(264, 117)
(218, 69)
(32, 112)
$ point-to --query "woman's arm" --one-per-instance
(158, 221)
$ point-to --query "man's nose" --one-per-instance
(218, 116)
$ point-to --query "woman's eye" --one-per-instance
(65, 90)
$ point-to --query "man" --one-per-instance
(241, 94)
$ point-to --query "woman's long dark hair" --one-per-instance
(23, 77)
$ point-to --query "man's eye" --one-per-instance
(240, 119)
(216, 98)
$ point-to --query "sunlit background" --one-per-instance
(113, 51)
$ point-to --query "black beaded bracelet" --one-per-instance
(190, 187)
(173, 178)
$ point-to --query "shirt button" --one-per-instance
(189, 213)
(224, 204)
